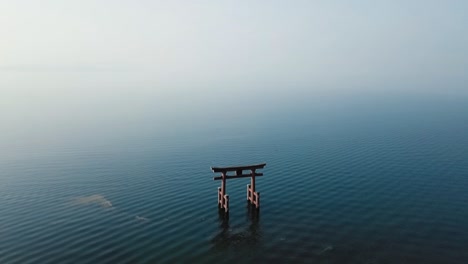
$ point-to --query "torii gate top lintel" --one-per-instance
(236, 168)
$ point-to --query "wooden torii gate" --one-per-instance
(252, 196)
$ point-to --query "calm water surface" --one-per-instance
(363, 179)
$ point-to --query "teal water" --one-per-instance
(349, 179)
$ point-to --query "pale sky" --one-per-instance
(69, 58)
(223, 41)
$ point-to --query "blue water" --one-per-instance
(379, 178)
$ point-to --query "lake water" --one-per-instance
(377, 178)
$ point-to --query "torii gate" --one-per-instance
(252, 195)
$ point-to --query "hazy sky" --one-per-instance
(223, 41)
(73, 58)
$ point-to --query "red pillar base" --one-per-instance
(253, 197)
(223, 200)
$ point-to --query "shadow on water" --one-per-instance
(232, 237)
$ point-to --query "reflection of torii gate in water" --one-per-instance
(252, 195)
